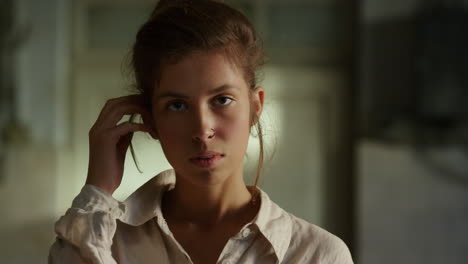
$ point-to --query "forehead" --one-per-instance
(199, 71)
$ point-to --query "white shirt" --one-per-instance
(90, 233)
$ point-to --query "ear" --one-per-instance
(149, 121)
(154, 134)
(258, 97)
(154, 131)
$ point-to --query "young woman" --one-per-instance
(194, 65)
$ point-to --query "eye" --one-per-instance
(223, 100)
(177, 106)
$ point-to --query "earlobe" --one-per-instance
(150, 123)
(154, 135)
(154, 131)
(258, 99)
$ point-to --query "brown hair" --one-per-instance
(177, 28)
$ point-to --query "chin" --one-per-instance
(204, 177)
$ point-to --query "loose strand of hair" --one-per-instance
(258, 127)
(132, 150)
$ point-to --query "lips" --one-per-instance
(206, 159)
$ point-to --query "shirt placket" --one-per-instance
(167, 232)
(236, 246)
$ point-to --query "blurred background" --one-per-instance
(366, 118)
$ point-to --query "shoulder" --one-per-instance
(297, 241)
(145, 202)
(313, 244)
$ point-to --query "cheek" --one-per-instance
(171, 129)
(168, 131)
(171, 138)
(235, 126)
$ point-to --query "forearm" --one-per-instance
(85, 232)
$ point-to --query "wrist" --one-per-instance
(104, 187)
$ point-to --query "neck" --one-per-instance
(209, 205)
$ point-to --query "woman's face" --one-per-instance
(201, 109)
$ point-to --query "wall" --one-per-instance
(28, 187)
(410, 210)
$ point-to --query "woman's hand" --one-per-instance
(108, 142)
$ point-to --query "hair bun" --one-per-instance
(166, 3)
(163, 3)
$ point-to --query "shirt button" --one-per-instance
(245, 233)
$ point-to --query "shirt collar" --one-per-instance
(145, 202)
(275, 225)
(272, 221)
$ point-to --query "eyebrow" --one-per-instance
(219, 89)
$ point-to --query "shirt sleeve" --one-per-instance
(85, 232)
(337, 252)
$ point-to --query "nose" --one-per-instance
(203, 126)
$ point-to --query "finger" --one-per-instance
(135, 98)
(114, 115)
(125, 128)
(130, 107)
(117, 114)
(113, 103)
(149, 121)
